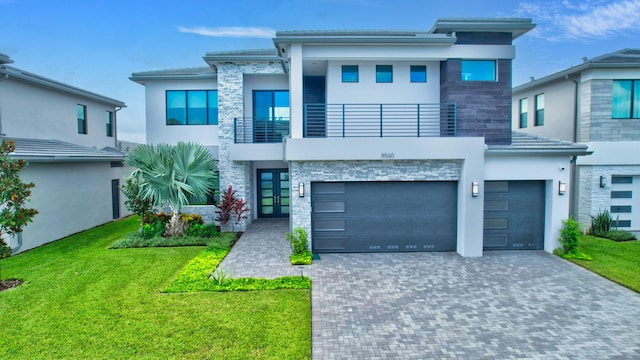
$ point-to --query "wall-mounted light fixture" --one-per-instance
(603, 181)
(301, 189)
(475, 189)
(562, 187)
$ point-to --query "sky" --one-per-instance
(96, 45)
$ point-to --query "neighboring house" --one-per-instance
(375, 141)
(596, 103)
(68, 136)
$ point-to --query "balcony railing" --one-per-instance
(379, 120)
(250, 130)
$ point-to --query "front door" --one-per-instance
(273, 193)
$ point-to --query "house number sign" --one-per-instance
(386, 155)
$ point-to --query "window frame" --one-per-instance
(384, 74)
(420, 70)
(539, 111)
(494, 77)
(82, 121)
(110, 123)
(350, 69)
(523, 115)
(208, 109)
(634, 107)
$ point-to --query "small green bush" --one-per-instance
(305, 258)
(150, 231)
(619, 235)
(300, 247)
(601, 223)
(200, 230)
(569, 235)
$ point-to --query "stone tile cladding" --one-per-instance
(230, 105)
(596, 123)
(400, 170)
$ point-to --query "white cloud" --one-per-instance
(231, 31)
(582, 20)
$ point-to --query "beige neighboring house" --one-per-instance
(596, 103)
(68, 136)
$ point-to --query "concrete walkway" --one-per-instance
(505, 305)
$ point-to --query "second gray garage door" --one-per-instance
(384, 216)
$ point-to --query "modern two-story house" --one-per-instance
(375, 141)
(596, 103)
(68, 136)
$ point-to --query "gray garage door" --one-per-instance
(384, 216)
(513, 215)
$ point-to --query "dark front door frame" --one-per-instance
(273, 193)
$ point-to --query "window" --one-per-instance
(349, 73)
(478, 70)
(82, 118)
(110, 123)
(418, 73)
(192, 107)
(625, 101)
(539, 120)
(524, 108)
(384, 73)
(271, 113)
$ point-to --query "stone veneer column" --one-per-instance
(238, 174)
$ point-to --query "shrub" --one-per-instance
(601, 223)
(569, 235)
(135, 202)
(300, 247)
(231, 207)
(619, 235)
(191, 219)
(155, 229)
(200, 230)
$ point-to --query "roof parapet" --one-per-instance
(516, 26)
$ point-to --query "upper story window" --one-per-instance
(349, 73)
(418, 73)
(81, 111)
(192, 107)
(384, 73)
(625, 102)
(524, 109)
(109, 124)
(539, 99)
(478, 70)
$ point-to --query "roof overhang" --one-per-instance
(351, 38)
(142, 78)
(516, 26)
(5, 59)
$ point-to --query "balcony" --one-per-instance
(260, 131)
(379, 120)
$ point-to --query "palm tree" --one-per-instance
(173, 176)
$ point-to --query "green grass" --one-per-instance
(134, 240)
(616, 261)
(81, 300)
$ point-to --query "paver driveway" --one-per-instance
(523, 304)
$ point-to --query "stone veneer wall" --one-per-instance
(596, 123)
(591, 197)
(238, 174)
(400, 170)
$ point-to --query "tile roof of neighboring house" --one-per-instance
(522, 143)
(42, 81)
(5, 59)
(203, 72)
(625, 58)
(38, 150)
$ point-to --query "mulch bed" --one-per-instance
(9, 284)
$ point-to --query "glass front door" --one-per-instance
(273, 193)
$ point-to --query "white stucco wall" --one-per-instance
(157, 129)
(30, 111)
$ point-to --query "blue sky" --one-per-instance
(96, 45)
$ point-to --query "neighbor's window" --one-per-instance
(109, 123)
(539, 99)
(82, 118)
(384, 73)
(418, 73)
(524, 108)
(625, 102)
(349, 73)
(478, 70)
(192, 107)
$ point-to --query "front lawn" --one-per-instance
(616, 261)
(81, 300)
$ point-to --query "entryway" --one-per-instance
(273, 193)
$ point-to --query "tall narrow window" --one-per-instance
(81, 111)
(270, 115)
(384, 73)
(109, 123)
(524, 108)
(418, 73)
(478, 70)
(349, 73)
(625, 102)
(192, 107)
(539, 99)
